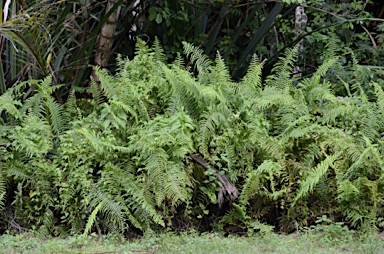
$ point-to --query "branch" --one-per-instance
(228, 186)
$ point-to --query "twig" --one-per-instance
(370, 36)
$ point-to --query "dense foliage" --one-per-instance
(119, 157)
(61, 38)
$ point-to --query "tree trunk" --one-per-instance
(300, 22)
(106, 36)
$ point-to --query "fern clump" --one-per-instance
(178, 145)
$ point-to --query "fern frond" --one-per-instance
(235, 215)
(34, 105)
(70, 107)
(272, 96)
(253, 78)
(175, 184)
(186, 91)
(3, 191)
(20, 171)
(179, 61)
(220, 72)
(92, 218)
(10, 105)
(211, 121)
(323, 68)
(371, 154)
(380, 96)
(314, 177)
(34, 137)
(56, 116)
(202, 62)
(45, 86)
(106, 82)
(96, 94)
(158, 51)
(283, 70)
(111, 209)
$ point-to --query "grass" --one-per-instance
(305, 242)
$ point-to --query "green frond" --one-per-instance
(92, 218)
(34, 105)
(56, 116)
(250, 187)
(106, 82)
(314, 176)
(186, 91)
(300, 127)
(179, 61)
(282, 71)
(379, 96)
(100, 144)
(10, 105)
(332, 112)
(34, 136)
(369, 156)
(201, 61)
(20, 171)
(158, 51)
(3, 191)
(140, 204)
(370, 123)
(273, 96)
(253, 77)
(323, 68)
(219, 72)
(142, 48)
(207, 128)
(96, 94)
(235, 215)
(110, 208)
(316, 93)
(48, 224)
(70, 106)
(175, 184)
(332, 47)
(45, 86)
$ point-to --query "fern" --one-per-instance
(110, 208)
(2, 188)
(283, 69)
(314, 176)
(95, 91)
(9, 105)
(158, 51)
(201, 61)
(120, 159)
(34, 137)
(186, 91)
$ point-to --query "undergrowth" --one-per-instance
(275, 153)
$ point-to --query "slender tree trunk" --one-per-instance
(300, 22)
(106, 36)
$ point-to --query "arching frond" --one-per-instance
(314, 177)
(282, 71)
(201, 61)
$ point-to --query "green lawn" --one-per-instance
(305, 242)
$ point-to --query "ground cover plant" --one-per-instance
(191, 242)
(181, 146)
